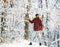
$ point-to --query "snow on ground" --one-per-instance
(22, 43)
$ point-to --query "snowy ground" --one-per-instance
(22, 43)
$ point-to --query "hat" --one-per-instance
(36, 14)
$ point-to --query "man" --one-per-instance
(38, 27)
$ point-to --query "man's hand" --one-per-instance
(27, 18)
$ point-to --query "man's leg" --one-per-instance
(39, 37)
(32, 37)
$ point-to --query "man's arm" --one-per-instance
(31, 21)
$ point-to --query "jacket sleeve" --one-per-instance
(31, 21)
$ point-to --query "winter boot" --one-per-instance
(30, 43)
(40, 44)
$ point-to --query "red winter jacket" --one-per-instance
(37, 24)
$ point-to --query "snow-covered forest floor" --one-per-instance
(21, 43)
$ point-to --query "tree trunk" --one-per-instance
(26, 23)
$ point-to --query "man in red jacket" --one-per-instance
(38, 27)
(37, 23)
